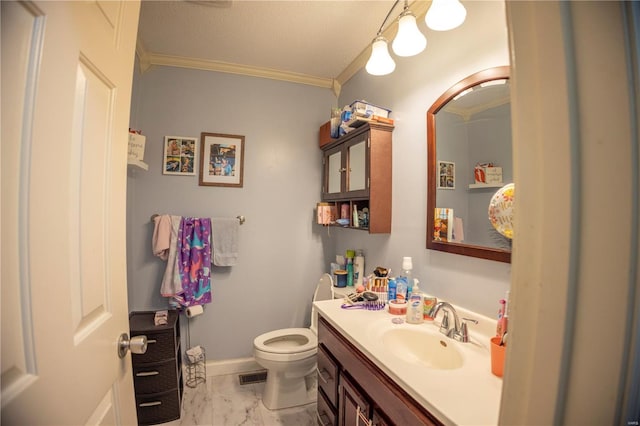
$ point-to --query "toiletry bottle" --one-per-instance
(405, 275)
(356, 223)
(415, 306)
(358, 268)
(350, 254)
(349, 272)
(429, 302)
(401, 289)
(392, 289)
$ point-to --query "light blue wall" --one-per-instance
(281, 248)
(282, 251)
(409, 91)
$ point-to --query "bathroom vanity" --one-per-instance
(372, 369)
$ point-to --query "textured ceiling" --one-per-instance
(316, 38)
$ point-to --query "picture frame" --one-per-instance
(446, 175)
(221, 160)
(179, 157)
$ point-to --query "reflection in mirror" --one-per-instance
(470, 160)
(335, 163)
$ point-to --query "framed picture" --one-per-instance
(446, 175)
(221, 160)
(179, 156)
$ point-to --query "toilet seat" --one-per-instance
(287, 341)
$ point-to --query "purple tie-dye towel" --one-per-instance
(194, 240)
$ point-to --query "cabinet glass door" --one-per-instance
(357, 166)
(334, 172)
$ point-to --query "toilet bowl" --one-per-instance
(289, 356)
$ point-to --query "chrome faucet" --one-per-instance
(459, 331)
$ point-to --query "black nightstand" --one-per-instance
(157, 374)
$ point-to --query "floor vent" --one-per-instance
(256, 377)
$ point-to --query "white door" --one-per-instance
(66, 88)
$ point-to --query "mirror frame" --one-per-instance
(490, 253)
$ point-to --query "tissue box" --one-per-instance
(365, 109)
(325, 134)
(326, 213)
(487, 173)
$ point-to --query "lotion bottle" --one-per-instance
(415, 306)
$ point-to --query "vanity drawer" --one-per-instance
(325, 413)
(149, 377)
(328, 375)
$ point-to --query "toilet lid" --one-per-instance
(286, 341)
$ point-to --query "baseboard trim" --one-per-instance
(232, 366)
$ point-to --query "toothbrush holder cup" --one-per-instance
(497, 356)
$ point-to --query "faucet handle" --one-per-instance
(444, 325)
(464, 330)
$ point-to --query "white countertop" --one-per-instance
(469, 395)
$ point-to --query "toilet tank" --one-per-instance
(323, 292)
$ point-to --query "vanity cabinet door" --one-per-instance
(353, 406)
(356, 174)
(346, 171)
(363, 384)
(334, 171)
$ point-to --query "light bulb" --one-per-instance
(380, 62)
(409, 41)
(444, 15)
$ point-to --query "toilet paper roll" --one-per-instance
(194, 311)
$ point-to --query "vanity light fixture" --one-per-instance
(380, 62)
(409, 41)
(442, 15)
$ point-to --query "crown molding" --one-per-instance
(147, 59)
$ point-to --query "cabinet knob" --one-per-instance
(137, 344)
(342, 170)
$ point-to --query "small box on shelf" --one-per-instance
(325, 134)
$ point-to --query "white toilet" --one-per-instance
(289, 355)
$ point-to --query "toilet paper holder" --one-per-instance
(195, 357)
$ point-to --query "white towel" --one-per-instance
(171, 282)
(161, 239)
(224, 241)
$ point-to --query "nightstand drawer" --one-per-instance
(150, 377)
(158, 408)
(160, 346)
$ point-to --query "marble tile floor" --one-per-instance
(223, 401)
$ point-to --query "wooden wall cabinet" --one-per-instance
(357, 171)
(363, 390)
(157, 374)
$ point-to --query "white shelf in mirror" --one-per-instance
(485, 185)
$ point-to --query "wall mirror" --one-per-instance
(469, 166)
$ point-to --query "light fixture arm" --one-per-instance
(389, 14)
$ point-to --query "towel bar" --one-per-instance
(240, 218)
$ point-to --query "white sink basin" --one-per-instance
(428, 349)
